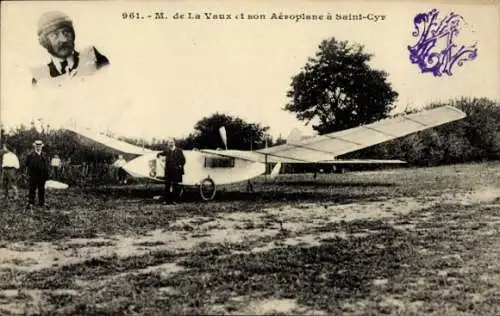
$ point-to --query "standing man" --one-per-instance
(55, 164)
(174, 169)
(37, 165)
(120, 172)
(57, 35)
(10, 166)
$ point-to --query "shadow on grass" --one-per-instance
(268, 193)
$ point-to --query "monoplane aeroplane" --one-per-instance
(205, 169)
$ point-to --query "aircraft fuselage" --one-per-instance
(199, 166)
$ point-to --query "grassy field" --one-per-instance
(401, 242)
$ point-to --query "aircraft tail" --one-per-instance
(294, 137)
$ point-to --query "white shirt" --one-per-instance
(55, 162)
(10, 160)
(57, 62)
(119, 163)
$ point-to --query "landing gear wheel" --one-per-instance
(207, 189)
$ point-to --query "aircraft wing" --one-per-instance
(327, 147)
(248, 155)
(107, 142)
(259, 157)
(364, 161)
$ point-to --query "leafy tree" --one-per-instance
(339, 89)
(240, 134)
(278, 141)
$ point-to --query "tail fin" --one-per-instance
(294, 137)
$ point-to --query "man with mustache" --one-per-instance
(57, 35)
(174, 169)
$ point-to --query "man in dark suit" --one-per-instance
(174, 169)
(57, 35)
(37, 165)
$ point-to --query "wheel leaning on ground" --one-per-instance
(207, 189)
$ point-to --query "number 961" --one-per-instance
(130, 15)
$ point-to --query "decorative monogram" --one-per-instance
(435, 50)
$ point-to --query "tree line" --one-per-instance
(475, 138)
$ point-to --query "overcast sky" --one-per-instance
(167, 74)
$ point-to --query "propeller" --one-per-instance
(223, 135)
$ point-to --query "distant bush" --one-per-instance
(473, 139)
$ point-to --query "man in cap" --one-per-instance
(10, 166)
(174, 169)
(37, 165)
(57, 35)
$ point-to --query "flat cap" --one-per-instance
(52, 20)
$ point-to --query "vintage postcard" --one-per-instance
(250, 157)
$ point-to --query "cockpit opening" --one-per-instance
(219, 162)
